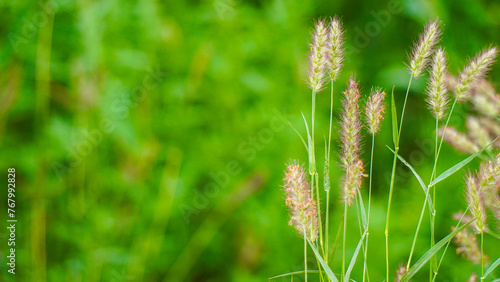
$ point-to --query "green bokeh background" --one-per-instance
(149, 137)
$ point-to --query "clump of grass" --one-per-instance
(326, 58)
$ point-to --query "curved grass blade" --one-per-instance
(301, 138)
(420, 181)
(492, 267)
(430, 253)
(458, 166)
(394, 114)
(325, 266)
(353, 259)
(293, 273)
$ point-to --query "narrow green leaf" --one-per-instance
(394, 114)
(325, 266)
(353, 259)
(420, 181)
(430, 253)
(293, 273)
(301, 138)
(492, 267)
(458, 166)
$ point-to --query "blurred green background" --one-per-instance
(149, 137)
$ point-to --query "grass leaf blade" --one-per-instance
(325, 266)
(353, 259)
(458, 166)
(492, 267)
(430, 253)
(419, 179)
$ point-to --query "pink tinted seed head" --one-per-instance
(474, 71)
(375, 111)
(423, 49)
(350, 138)
(318, 56)
(303, 213)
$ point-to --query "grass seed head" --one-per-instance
(475, 200)
(303, 211)
(318, 56)
(335, 47)
(375, 111)
(423, 49)
(436, 88)
(473, 72)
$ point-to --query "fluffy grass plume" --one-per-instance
(350, 138)
(423, 49)
(303, 212)
(436, 88)
(459, 140)
(335, 49)
(375, 110)
(474, 71)
(318, 56)
(475, 200)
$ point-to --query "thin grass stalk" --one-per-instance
(314, 175)
(447, 245)
(393, 174)
(482, 256)
(343, 240)
(433, 215)
(305, 254)
(360, 225)
(432, 177)
(327, 222)
(369, 209)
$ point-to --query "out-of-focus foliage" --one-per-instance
(150, 137)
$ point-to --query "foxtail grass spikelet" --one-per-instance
(375, 110)
(400, 272)
(423, 49)
(350, 138)
(335, 49)
(459, 140)
(303, 212)
(436, 88)
(475, 200)
(318, 55)
(479, 134)
(475, 70)
(467, 246)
